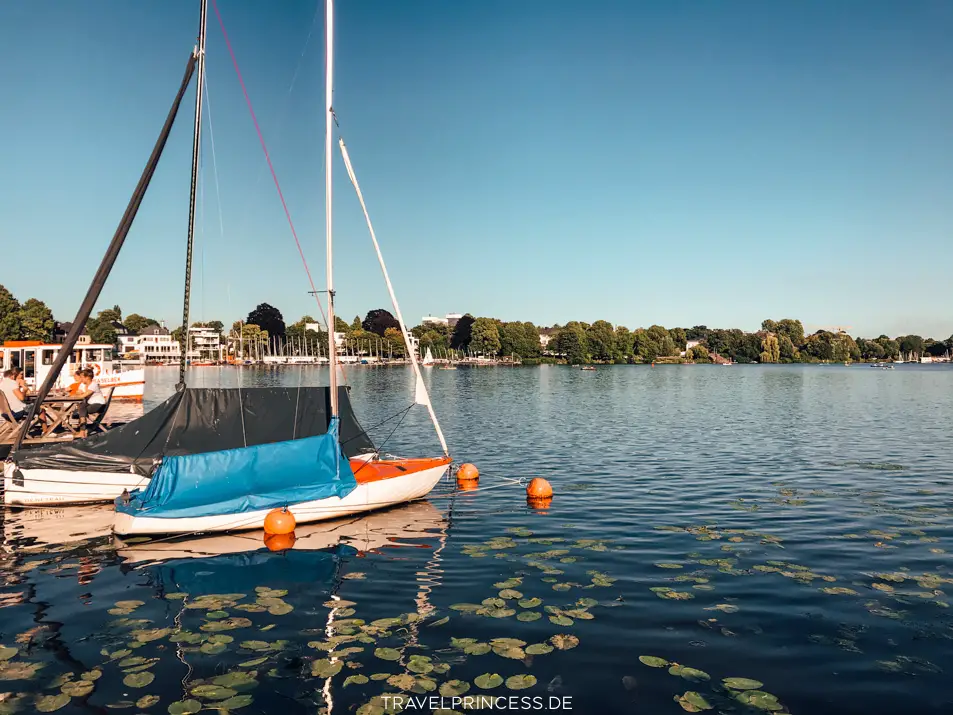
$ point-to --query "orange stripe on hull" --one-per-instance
(130, 398)
(366, 472)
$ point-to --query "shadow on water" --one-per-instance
(763, 539)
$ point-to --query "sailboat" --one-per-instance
(428, 359)
(213, 459)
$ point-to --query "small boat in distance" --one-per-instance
(428, 359)
(588, 367)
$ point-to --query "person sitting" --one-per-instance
(77, 383)
(14, 389)
(95, 401)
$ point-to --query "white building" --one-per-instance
(689, 344)
(205, 344)
(450, 319)
(152, 344)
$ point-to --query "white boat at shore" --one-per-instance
(36, 359)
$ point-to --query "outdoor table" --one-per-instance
(58, 409)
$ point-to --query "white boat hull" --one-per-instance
(367, 496)
(36, 487)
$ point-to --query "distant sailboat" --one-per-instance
(428, 359)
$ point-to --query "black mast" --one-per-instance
(96, 287)
(196, 154)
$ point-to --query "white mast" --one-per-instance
(328, 131)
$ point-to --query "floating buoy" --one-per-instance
(468, 473)
(280, 521)
(470, 486)
(280, 542)
(540, 504)
(539, 489)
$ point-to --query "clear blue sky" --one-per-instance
(643, 162)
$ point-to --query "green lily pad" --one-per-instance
(509, 594)
(387, 654)
(669, 566)
(216, 615)
(226, 624)
(697, 700)
(77, 688)
(839, 591)
(520, 682)
(235, 702)
(129, 604)
(529, 602)
(51, 703)
(139, 680)
(211, 692)
(693, 674)
(355, 679)
(439, 622)
(509, 583)
(255, 645)
(7, 652)
(235, 679)
(561, 620)
(462, 642)
(252, 663)
(742, 683)
(527, 616)
(494, 602)
(92, 675)
(511, 652)
(488, 681)
(175, 596)
(653, 661)
(539, 649)
(476, 648)
(280, 609)
(147, 701)
(213, 648)
(759, 699)
(465, 607)
(151, 634)
(324, 668)
(184, 707)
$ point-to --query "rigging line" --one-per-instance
(271, 167)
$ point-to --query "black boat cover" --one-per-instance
(199, 420)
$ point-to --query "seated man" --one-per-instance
(95, 401)
(14, 389)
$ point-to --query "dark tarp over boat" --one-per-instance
(201, 420)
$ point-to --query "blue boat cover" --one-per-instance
(235, 481)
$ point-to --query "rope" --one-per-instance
(271, 167)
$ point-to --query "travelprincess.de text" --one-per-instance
(469, 702)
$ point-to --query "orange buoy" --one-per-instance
(540, 504)
(539, 489)
(280, 542)
(280, 521)
(471, 486)
(468, 473)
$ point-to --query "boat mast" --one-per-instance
(328, 131)
(199, 54)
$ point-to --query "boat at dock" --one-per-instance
(215, 460)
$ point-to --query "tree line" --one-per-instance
(778, 341)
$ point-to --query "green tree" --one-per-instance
(36, 321)
(532, 348)
(356, 324)
(786, 349)
(111, 315)
(460, 338)
(378, 321)
(624, 341)
(268, 318)
(645, 344)
(770, 349)
(395, 340)
(136, 323)
(679, 337)
(10, 326)
(340, 325)
(178, 334)
(911, 345)
(819, 346)
(891, 347)
(601, 339)
(570, 342)
(870, 349)
(485, 337)
(699, 353)
(101, 330)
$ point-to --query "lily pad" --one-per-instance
(324, 668)
(697, 700)
(184, 707)
(404, 681)
(669, 566)
(509, 583)
(387, 654)
(693, 674)
(759, 699)
(129, 604)
(226, 624)
(462, 642)
(520, 682)
(139, 680)
(839, 591)
(511, 652)
(7, 652)
(742, 683)
(539, 649)
(488, 681)
(509, 594)
(152, 634)
(476, 648)
(235, 679)
(211, 692)
(51, 703)
(92, 675)
(527, 616)
(355, 680)
(235, 702)
(77, 688)
(561, 620)
(147, 701)
(465, 607)
(653, 661)
(216, 615)
(252, 663)
(529, 602)
(419, 664)
(564, 641)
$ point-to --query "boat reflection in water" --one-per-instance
(162, 583)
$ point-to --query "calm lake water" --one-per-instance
(788, 525)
